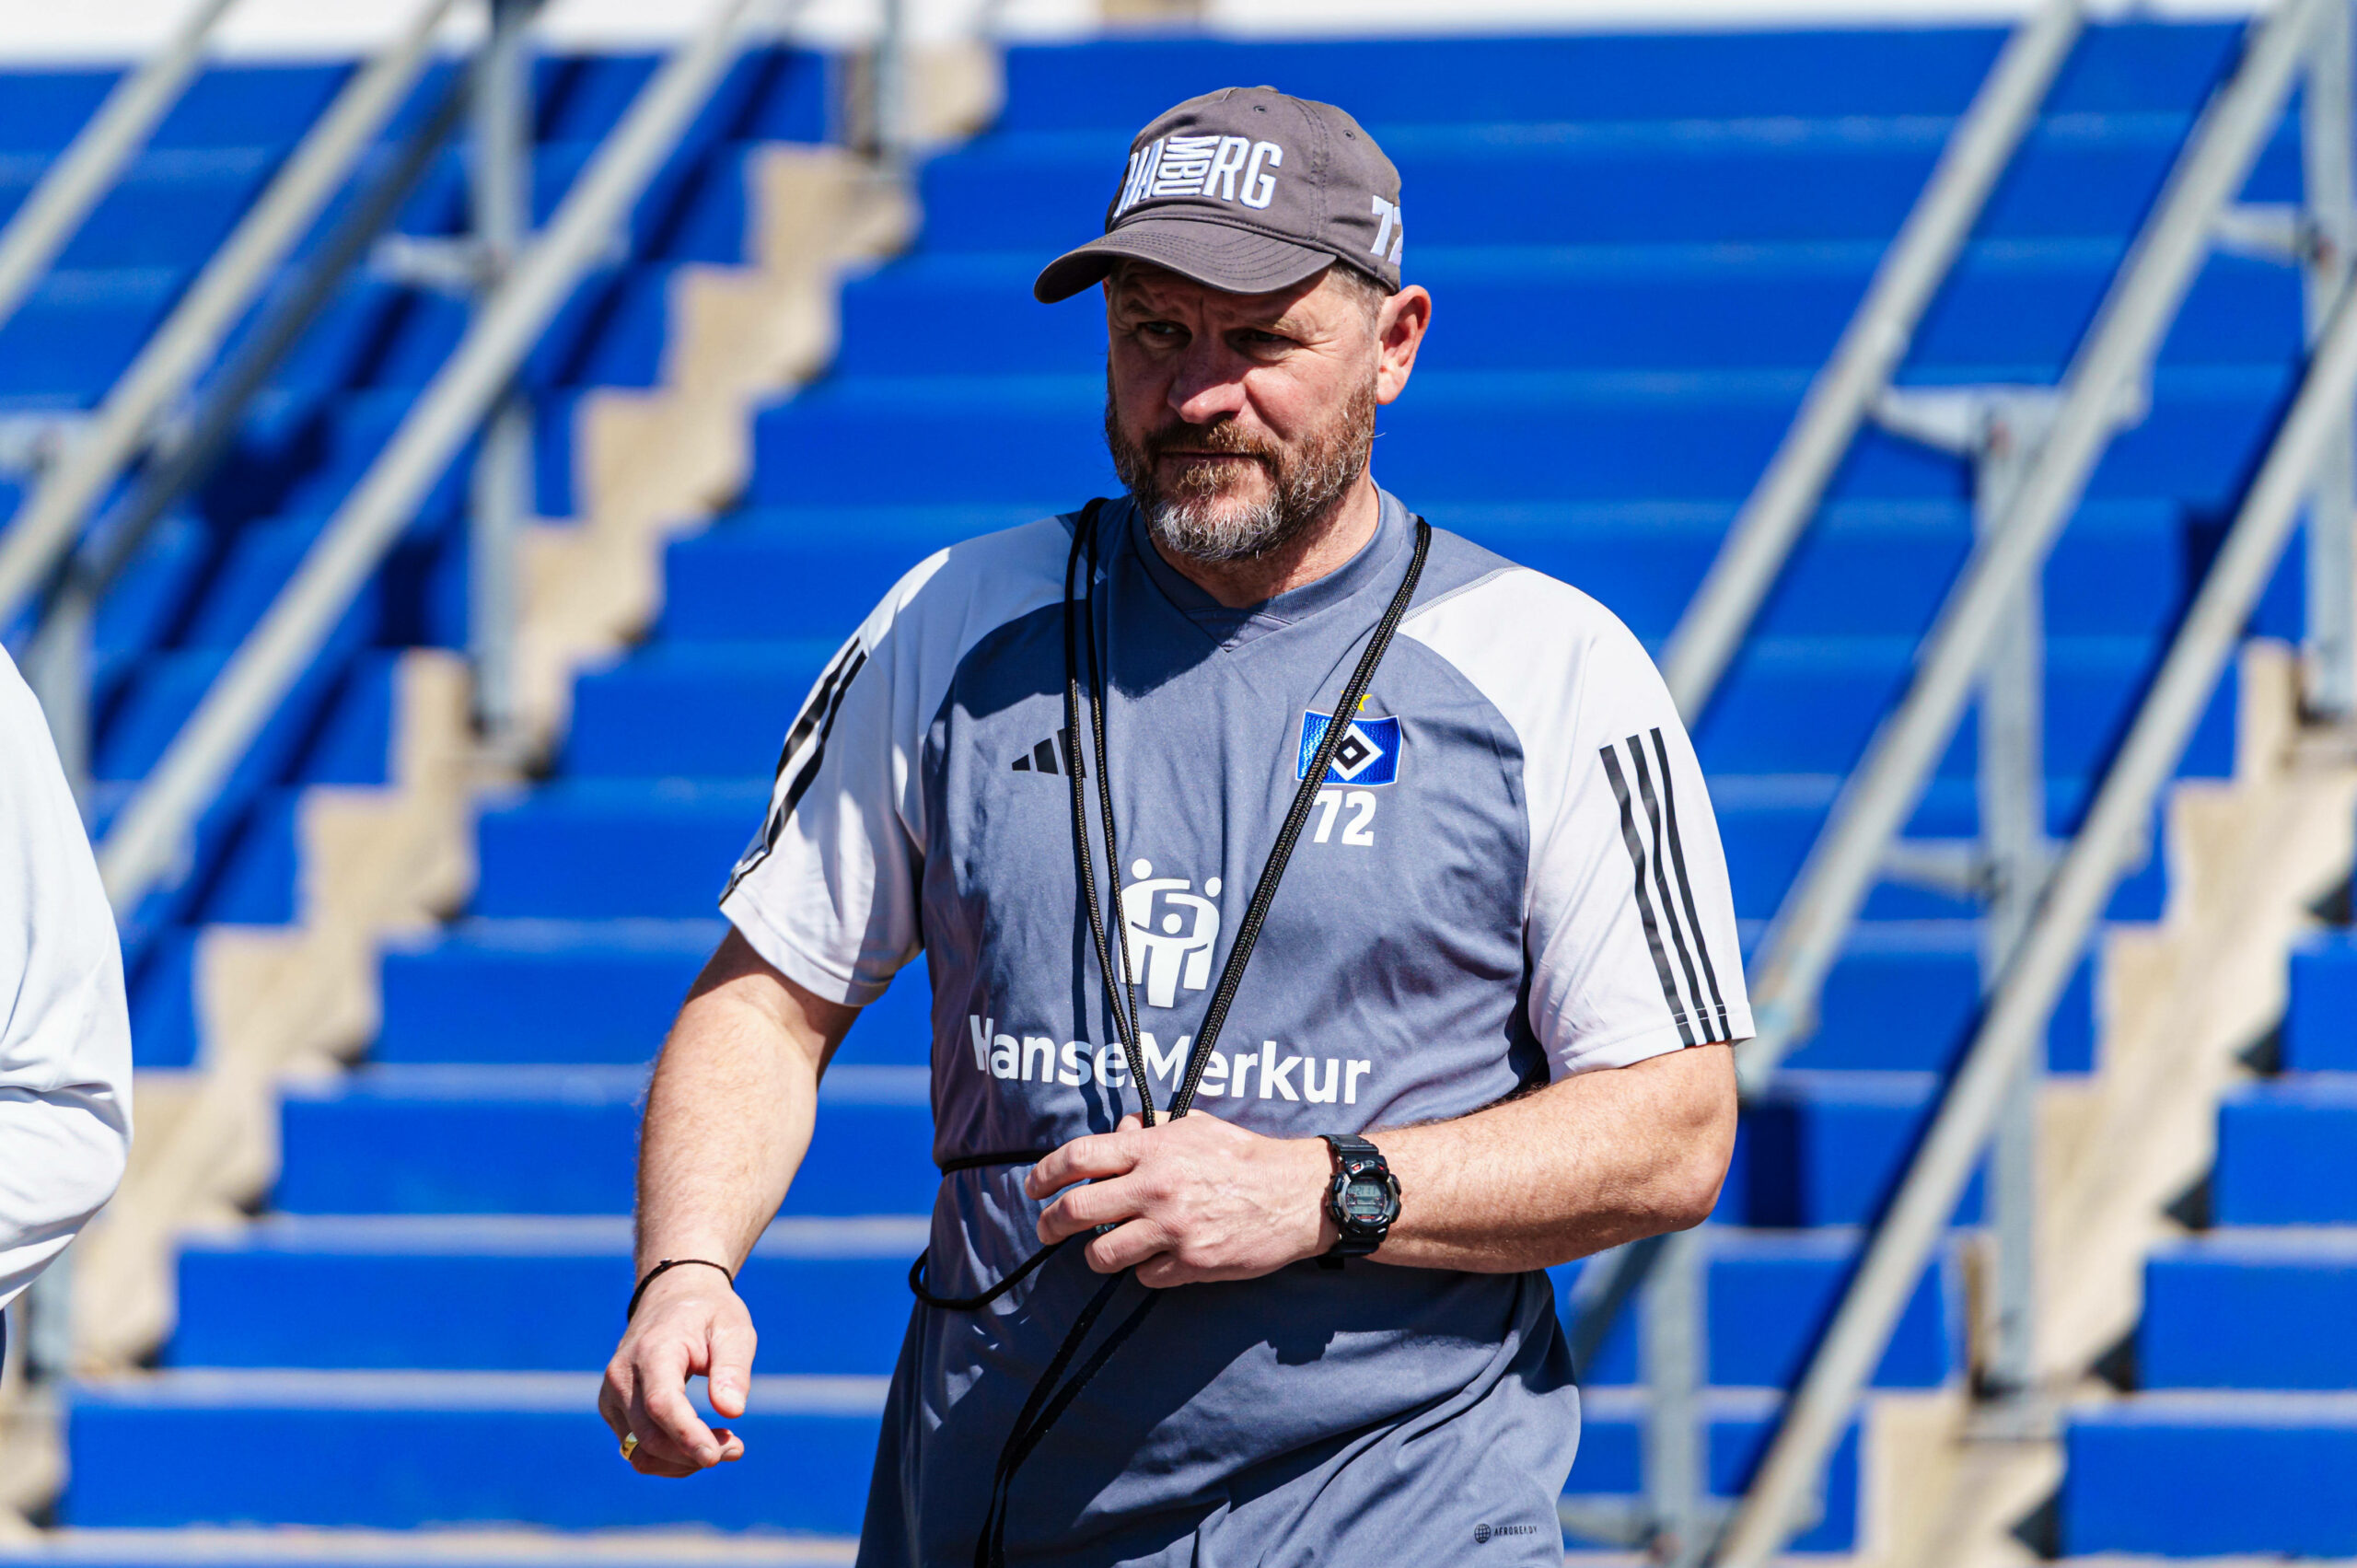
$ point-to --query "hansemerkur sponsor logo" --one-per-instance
(1266, 1073)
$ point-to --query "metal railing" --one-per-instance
(148, 835)
(144, 451)
(2014, 1023)
(89, 168)
(1665, 1274)
(1842, 394)
(50, 520)
(2032, 451)
(2105, 382)
(58, 659)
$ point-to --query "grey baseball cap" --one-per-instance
(1246, 190)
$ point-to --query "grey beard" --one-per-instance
(1213, 529)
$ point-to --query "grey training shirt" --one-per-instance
(1512, 876)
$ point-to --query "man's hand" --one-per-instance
(1194, 1199)
(689, 1322)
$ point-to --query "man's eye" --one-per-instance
(1165, 332)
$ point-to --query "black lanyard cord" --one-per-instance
(1083, 541)
(1008, 1281)
(1040, 1413)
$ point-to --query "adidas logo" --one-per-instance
(1041, 758)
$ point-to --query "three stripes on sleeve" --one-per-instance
(1639, 770)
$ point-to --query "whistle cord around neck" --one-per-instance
(1042, 1410)
(1125, 1020)
(1039, 1412)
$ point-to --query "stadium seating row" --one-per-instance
(1640, 247)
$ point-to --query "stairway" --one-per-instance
(2241, 1430)
(212, 568)
(1640, 248)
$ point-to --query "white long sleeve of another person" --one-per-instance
(64, 1033)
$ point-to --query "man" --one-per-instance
(1502, 923)
(65, 1036)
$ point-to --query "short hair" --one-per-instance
(1368, 291)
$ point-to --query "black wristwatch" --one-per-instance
(1363, 1200)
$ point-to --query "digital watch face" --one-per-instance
(1366, 1199)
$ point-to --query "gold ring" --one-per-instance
(630, 1444)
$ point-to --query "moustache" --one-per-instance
(1218, 440)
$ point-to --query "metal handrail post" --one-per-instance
(89, 168)
(501, 485)
(57, 662)
(2107, 372)
(46, 525)
(154, 823)
(887, 79)
(2016, 1016)
(1673, 1332)
(1871, 348)
(1837, 401)
(2010, 791)
(2330, 246)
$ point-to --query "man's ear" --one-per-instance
(1400, 330)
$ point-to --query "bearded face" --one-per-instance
(1223, 492)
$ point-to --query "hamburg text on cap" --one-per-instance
(1246, 190)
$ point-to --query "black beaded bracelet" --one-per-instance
(632, 1311)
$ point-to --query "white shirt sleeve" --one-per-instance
(64, 1034)
(827, 891)
(1628, 919)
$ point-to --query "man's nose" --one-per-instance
(1207, 384)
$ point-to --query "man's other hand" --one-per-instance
(689, 1322)
(1190, 1200)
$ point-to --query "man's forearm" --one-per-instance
(1577, 1166)
(729, 1112)
(1573, 1168)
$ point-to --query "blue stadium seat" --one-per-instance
(2212, 1475)
(2238, 1310)
(476, 1140)
(398, 1450)
(2287, 1153)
